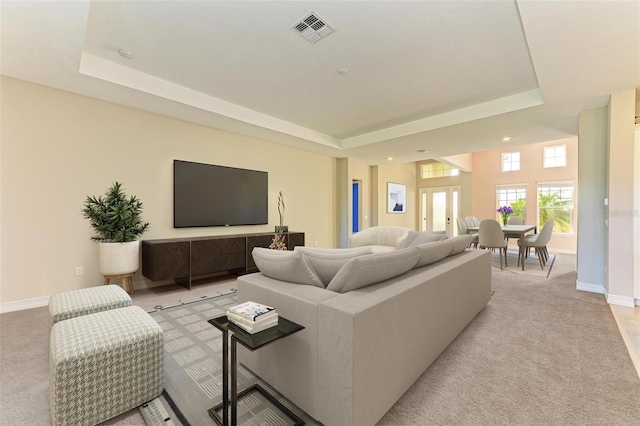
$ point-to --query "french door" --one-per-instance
(439, 208)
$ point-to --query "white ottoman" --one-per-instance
(75, 303)
(104, 364)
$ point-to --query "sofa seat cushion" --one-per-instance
(326, 262)
(284, 265)
(366, 270)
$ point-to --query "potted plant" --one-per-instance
(117, 223)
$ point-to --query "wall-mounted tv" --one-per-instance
(210, 195)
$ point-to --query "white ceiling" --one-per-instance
(447, 77)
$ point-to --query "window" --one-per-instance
(510, 161)
(435, 170)
(555, 200)
(555, 156)
(514, 196)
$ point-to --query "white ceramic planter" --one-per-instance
(119, 258)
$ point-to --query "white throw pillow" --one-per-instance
(433, 252)
(327, 262)
(284, 265)
(460, 243)
(427, 237)
(366, 270)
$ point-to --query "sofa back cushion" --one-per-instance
(433, 252)
(425, 237)
(378, 236)
(460, 243)
(327, 262)
(284, 265)
(366, 270)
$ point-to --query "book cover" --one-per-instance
(251, 310)
(248, 321)
(256, 328)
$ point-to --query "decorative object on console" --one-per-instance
(505, 211)
(278, 242)
(117, 222)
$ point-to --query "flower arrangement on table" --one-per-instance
(505, 211)
(278, 242)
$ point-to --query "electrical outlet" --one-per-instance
(315, 243)
(79, 271)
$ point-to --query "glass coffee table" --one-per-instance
(252, 342)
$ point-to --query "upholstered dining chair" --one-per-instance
(538, 242)
(472, 221)
(462, 230)
(491, 236)
(513, 220)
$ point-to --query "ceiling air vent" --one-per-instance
(312, 27)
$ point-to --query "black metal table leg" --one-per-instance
(225, 377)
(234, 382)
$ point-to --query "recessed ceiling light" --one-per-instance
(422, 151)
(341, 71)
(389, 158)
(125, 54)
(506, 139)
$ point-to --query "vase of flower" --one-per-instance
(505, 211)
(278, 242)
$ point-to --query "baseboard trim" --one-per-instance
(614, 299)
(20, 305)
(591, 288)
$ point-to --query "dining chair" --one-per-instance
(513, 220)
(538, 242)
(462, 230)
(472, 222)
(491, 236)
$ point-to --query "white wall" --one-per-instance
(620, 259)
(59, 147)
(592, 181)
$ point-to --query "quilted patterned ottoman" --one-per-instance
(104, 364)
(75, 303)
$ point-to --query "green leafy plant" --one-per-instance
(114, 217)
(551, 206)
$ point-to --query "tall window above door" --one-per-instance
(514, 196)
(555, 156)
(510, 161)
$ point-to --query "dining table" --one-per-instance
(521, 230)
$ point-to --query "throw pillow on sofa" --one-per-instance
(327, 262)
(366, 270)
(433, 252)
(285, 265)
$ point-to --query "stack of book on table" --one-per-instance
(253, 317)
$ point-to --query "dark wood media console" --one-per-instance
(184, 258)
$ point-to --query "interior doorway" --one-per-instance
(356, 206)
(439, 207)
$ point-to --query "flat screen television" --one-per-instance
(210, 195)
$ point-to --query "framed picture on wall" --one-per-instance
(396, 198)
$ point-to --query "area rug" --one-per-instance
(193, 369)
(531, 264)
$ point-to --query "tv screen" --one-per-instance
(210, 195)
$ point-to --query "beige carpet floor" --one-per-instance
(540, 353)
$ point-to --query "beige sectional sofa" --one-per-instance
(365, 343)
